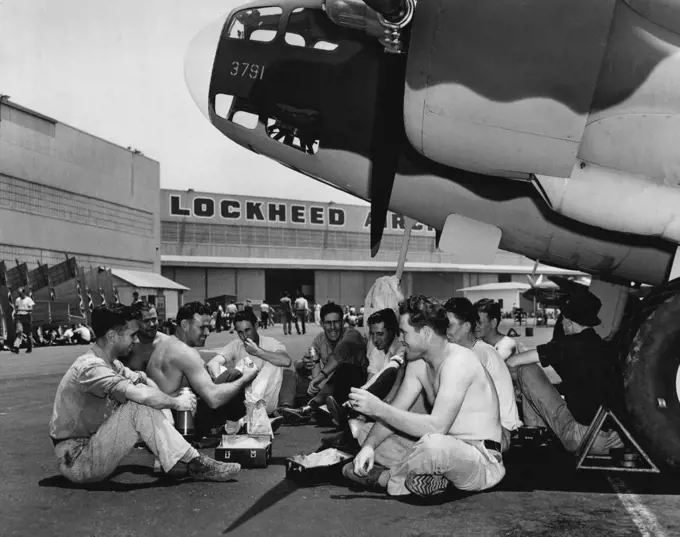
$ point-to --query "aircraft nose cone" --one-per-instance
(199, 60)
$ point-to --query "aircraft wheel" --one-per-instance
(652, 378)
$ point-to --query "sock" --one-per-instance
(190, 455)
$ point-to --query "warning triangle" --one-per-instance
(512, 333)
(634, 458)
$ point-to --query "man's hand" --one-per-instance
(364, 461)
(315, 385)
(252, 348)
(249, 374)
(365, 402)
(186, 401)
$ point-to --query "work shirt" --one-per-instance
(350, 348)
(301, 304)
(500, 374)
(377, 359)
(581, 360)
(23, 306)
(90, 391)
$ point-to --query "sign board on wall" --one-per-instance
(201, 207)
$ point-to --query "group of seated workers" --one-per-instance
(427, 403)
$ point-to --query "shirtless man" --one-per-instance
(489, 319)
(175, 363)
(459, 442)
(148, 335)
(463, 319)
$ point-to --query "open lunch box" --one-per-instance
(316, 468)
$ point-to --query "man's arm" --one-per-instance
(454, 381)
(279, 357)
(151, 397)
(523, 358)
(214, 365)
(190, 363)
(408, 393)
(506, 348)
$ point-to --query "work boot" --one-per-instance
(296, 416)
(371, 481)
(204, 468)
(338, 412)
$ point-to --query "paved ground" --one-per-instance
(541, 496)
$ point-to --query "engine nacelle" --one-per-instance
(513, 88)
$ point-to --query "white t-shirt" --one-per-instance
(23, 305)
(84, 333)
(500, 374)
(301, 304)
(264, 307)
(231, 308)
(377, 360)
(506, 347)
(236, 351)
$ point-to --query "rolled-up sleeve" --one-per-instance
(100, 380)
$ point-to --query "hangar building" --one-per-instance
(256, 247)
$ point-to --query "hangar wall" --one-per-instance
(63, 191)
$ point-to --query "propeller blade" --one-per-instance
(388, 136)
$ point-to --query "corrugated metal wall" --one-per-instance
(195, 280)
(221, 281)
(250, 284)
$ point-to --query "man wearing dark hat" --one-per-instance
(581, 360)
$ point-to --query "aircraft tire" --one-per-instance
(651, 377)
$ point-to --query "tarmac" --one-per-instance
(541, 495)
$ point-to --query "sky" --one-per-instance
(116, 70)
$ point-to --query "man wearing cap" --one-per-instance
(581, 360)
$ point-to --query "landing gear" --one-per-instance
(651, 374)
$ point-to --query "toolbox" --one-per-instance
(250, 451)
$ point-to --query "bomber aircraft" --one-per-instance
(549, 129)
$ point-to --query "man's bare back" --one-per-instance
(479, 415)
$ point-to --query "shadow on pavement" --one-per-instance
(269, 498)
(162, 481)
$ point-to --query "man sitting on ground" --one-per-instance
(489, 319)
(462, 329)
(459, 442)
(580, 358)
(148, 335)
(175, 363)
(341, 352)
(102, 409)
(268, 354)
(382, 346)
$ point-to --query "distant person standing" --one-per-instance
(286, 313)
(219, 318)
(23, 313)
(301, 311)
(231, 311)
(317, 314)
(264, 314)
(135, 298)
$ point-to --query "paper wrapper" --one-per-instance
(327, 457)
(257, 419)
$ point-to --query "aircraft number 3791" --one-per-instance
(251, 70)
